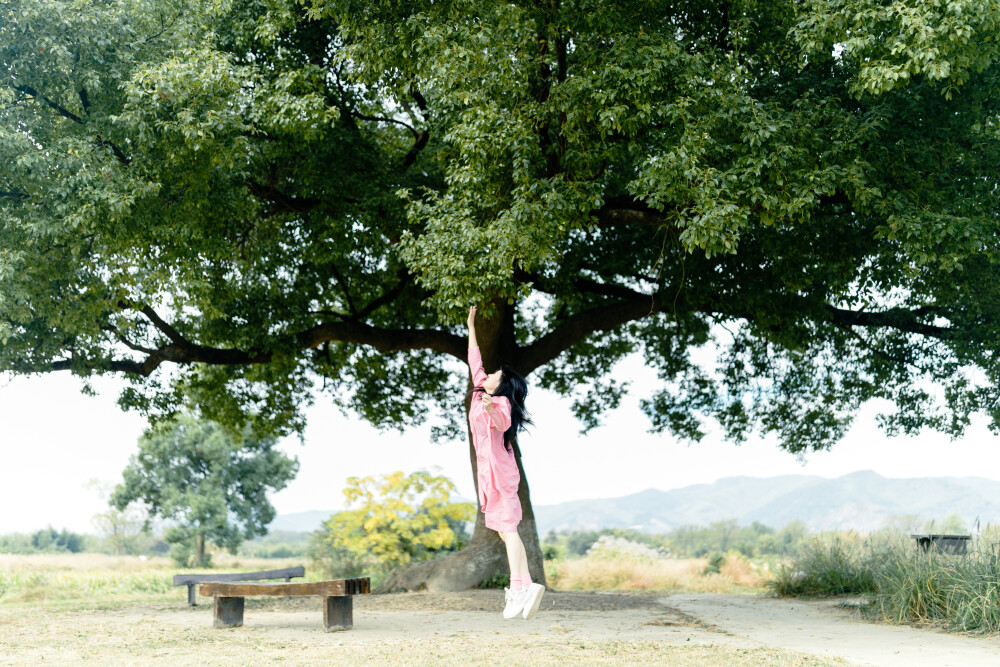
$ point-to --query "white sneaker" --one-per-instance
(532, 599)
(515, 603)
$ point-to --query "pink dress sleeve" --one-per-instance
(476, 366)
(500, 417)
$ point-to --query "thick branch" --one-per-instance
(118, 365)
(628, 211)
(125, 341)
(60, 109)
(125, 161)
(387, 297)
(418, 145)
(382, 119)
(422, 135)
(291, 204)
(384, 340)
(182, 351)
(165, 328)
(419, 98)
(901, 319)
(66, 113)
(631, 305)
(578, 326)
(345, 289)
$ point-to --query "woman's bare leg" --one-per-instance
(517, 558)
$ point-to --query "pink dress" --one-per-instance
(497, 471)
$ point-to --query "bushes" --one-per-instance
(715, 563)
(753, 541)
(393, 519)
(278, 544)
(46, 540)
(903, 584)
(724, 536)
(828, 566)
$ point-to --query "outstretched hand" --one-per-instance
(472, 317)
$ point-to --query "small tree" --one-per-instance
(212, 485)
(121, 528)
(397, 518)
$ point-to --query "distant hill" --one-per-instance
(859, 501)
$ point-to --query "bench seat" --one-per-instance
(337, 599)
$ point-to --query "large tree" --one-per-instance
(231, 202)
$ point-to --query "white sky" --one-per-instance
(53, 439)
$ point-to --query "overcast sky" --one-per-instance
(54, 439)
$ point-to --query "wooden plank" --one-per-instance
(338, 613)
(297, 571)
(228, 612)
(356, 586)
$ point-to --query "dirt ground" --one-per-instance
(423, 628)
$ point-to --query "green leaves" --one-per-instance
(213, 485)
(892, 43)
(267, 197)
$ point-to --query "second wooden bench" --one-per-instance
(192, 580)
(338, 608)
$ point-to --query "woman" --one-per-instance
(496, 415)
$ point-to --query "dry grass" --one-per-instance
(736, 575)
(101, 580)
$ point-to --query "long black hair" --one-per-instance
(514, 388)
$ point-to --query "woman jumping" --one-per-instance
(496, 415)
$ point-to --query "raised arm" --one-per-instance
(472, 327)
(475, 359)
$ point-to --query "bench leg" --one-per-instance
(191, 599)
(228, 612)
(337, 613)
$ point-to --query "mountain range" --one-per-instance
(860, 501)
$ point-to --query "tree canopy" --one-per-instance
(231, 201)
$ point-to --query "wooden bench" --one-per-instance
(337, 601)
(191, 580)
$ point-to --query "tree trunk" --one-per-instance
(485, 556)
(199, 550)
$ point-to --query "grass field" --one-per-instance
(89, 608)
